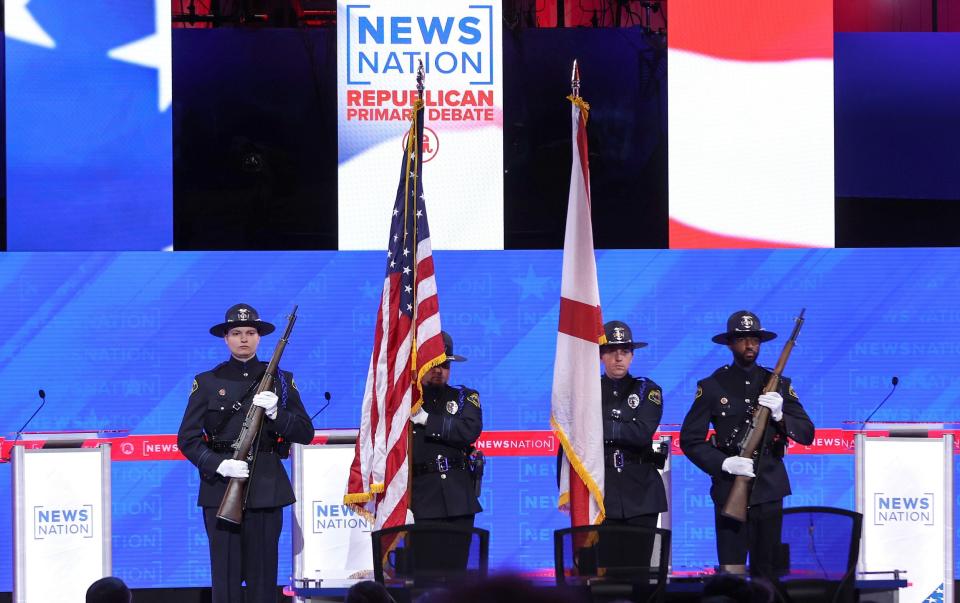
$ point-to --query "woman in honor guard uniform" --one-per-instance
(212, 421)
(727, 399)
(634, 494)
(444, 474)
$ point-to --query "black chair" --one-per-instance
(429, 554)
(613, 561)
(821, 548)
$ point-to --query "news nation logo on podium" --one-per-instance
(62, 521)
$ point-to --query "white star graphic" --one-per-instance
(395, 237)
(406, 252)
(419, 213)
(409, 307)
(392, 263)
(22, 26)
(153, 51)
(396, 212)
(406, 269)
(408, 288)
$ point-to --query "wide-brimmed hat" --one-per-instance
(448, 348)
(619, 335)
(743, 323)
(242, 315)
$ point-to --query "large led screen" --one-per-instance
(380, 44)
(115, 340)
(89, 159)
(751, 124)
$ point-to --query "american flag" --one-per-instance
(407, 343)
(576, 416)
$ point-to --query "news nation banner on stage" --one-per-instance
(333, 542)
(62, 522)
(905, 492)
(379, 46)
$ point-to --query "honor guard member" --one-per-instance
(445, 471)
(634, 494)
(212, 421)
(727, 400)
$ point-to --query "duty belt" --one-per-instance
(619, 458)
(227, 446)
(442, 464)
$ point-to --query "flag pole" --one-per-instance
(413, 348)
(575, 80)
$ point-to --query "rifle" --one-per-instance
(739, 496)
(234, 499)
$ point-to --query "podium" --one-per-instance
(904, 489)
(61, 516)
(331, 543)
(664, 444)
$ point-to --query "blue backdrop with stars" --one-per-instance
(89, 151)
(115, 339)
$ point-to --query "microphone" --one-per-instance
(326, 396)
(894, 383)
(43, 400)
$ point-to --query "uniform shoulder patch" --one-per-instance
(293, 383)
(474, 398)
(699, 392)
(655, 396)
(195, 387)
(793, 392)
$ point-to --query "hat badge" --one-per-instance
(746, 322)
(243, 314)
(618, 333)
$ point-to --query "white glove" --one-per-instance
(774, 402)
(232, 468)
(268, 402)
(737, 465)
(420, 417)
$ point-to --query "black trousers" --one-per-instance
(759, 536)
(248, 552)
(616, 550)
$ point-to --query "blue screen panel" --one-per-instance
(89, 140)
(115, 339)
(895, 114)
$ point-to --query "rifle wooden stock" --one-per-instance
(234, 499)
(739, 497)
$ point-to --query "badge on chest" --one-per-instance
(452, 407)
(633, 400)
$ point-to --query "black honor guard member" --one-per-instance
(727, 400)
(634, 494)
(447, 469)
(215, 412)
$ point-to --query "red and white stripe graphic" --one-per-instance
(750, 109)
(518, 444)
(575, 404)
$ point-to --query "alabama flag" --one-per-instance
(750, 110)
(576, 416)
